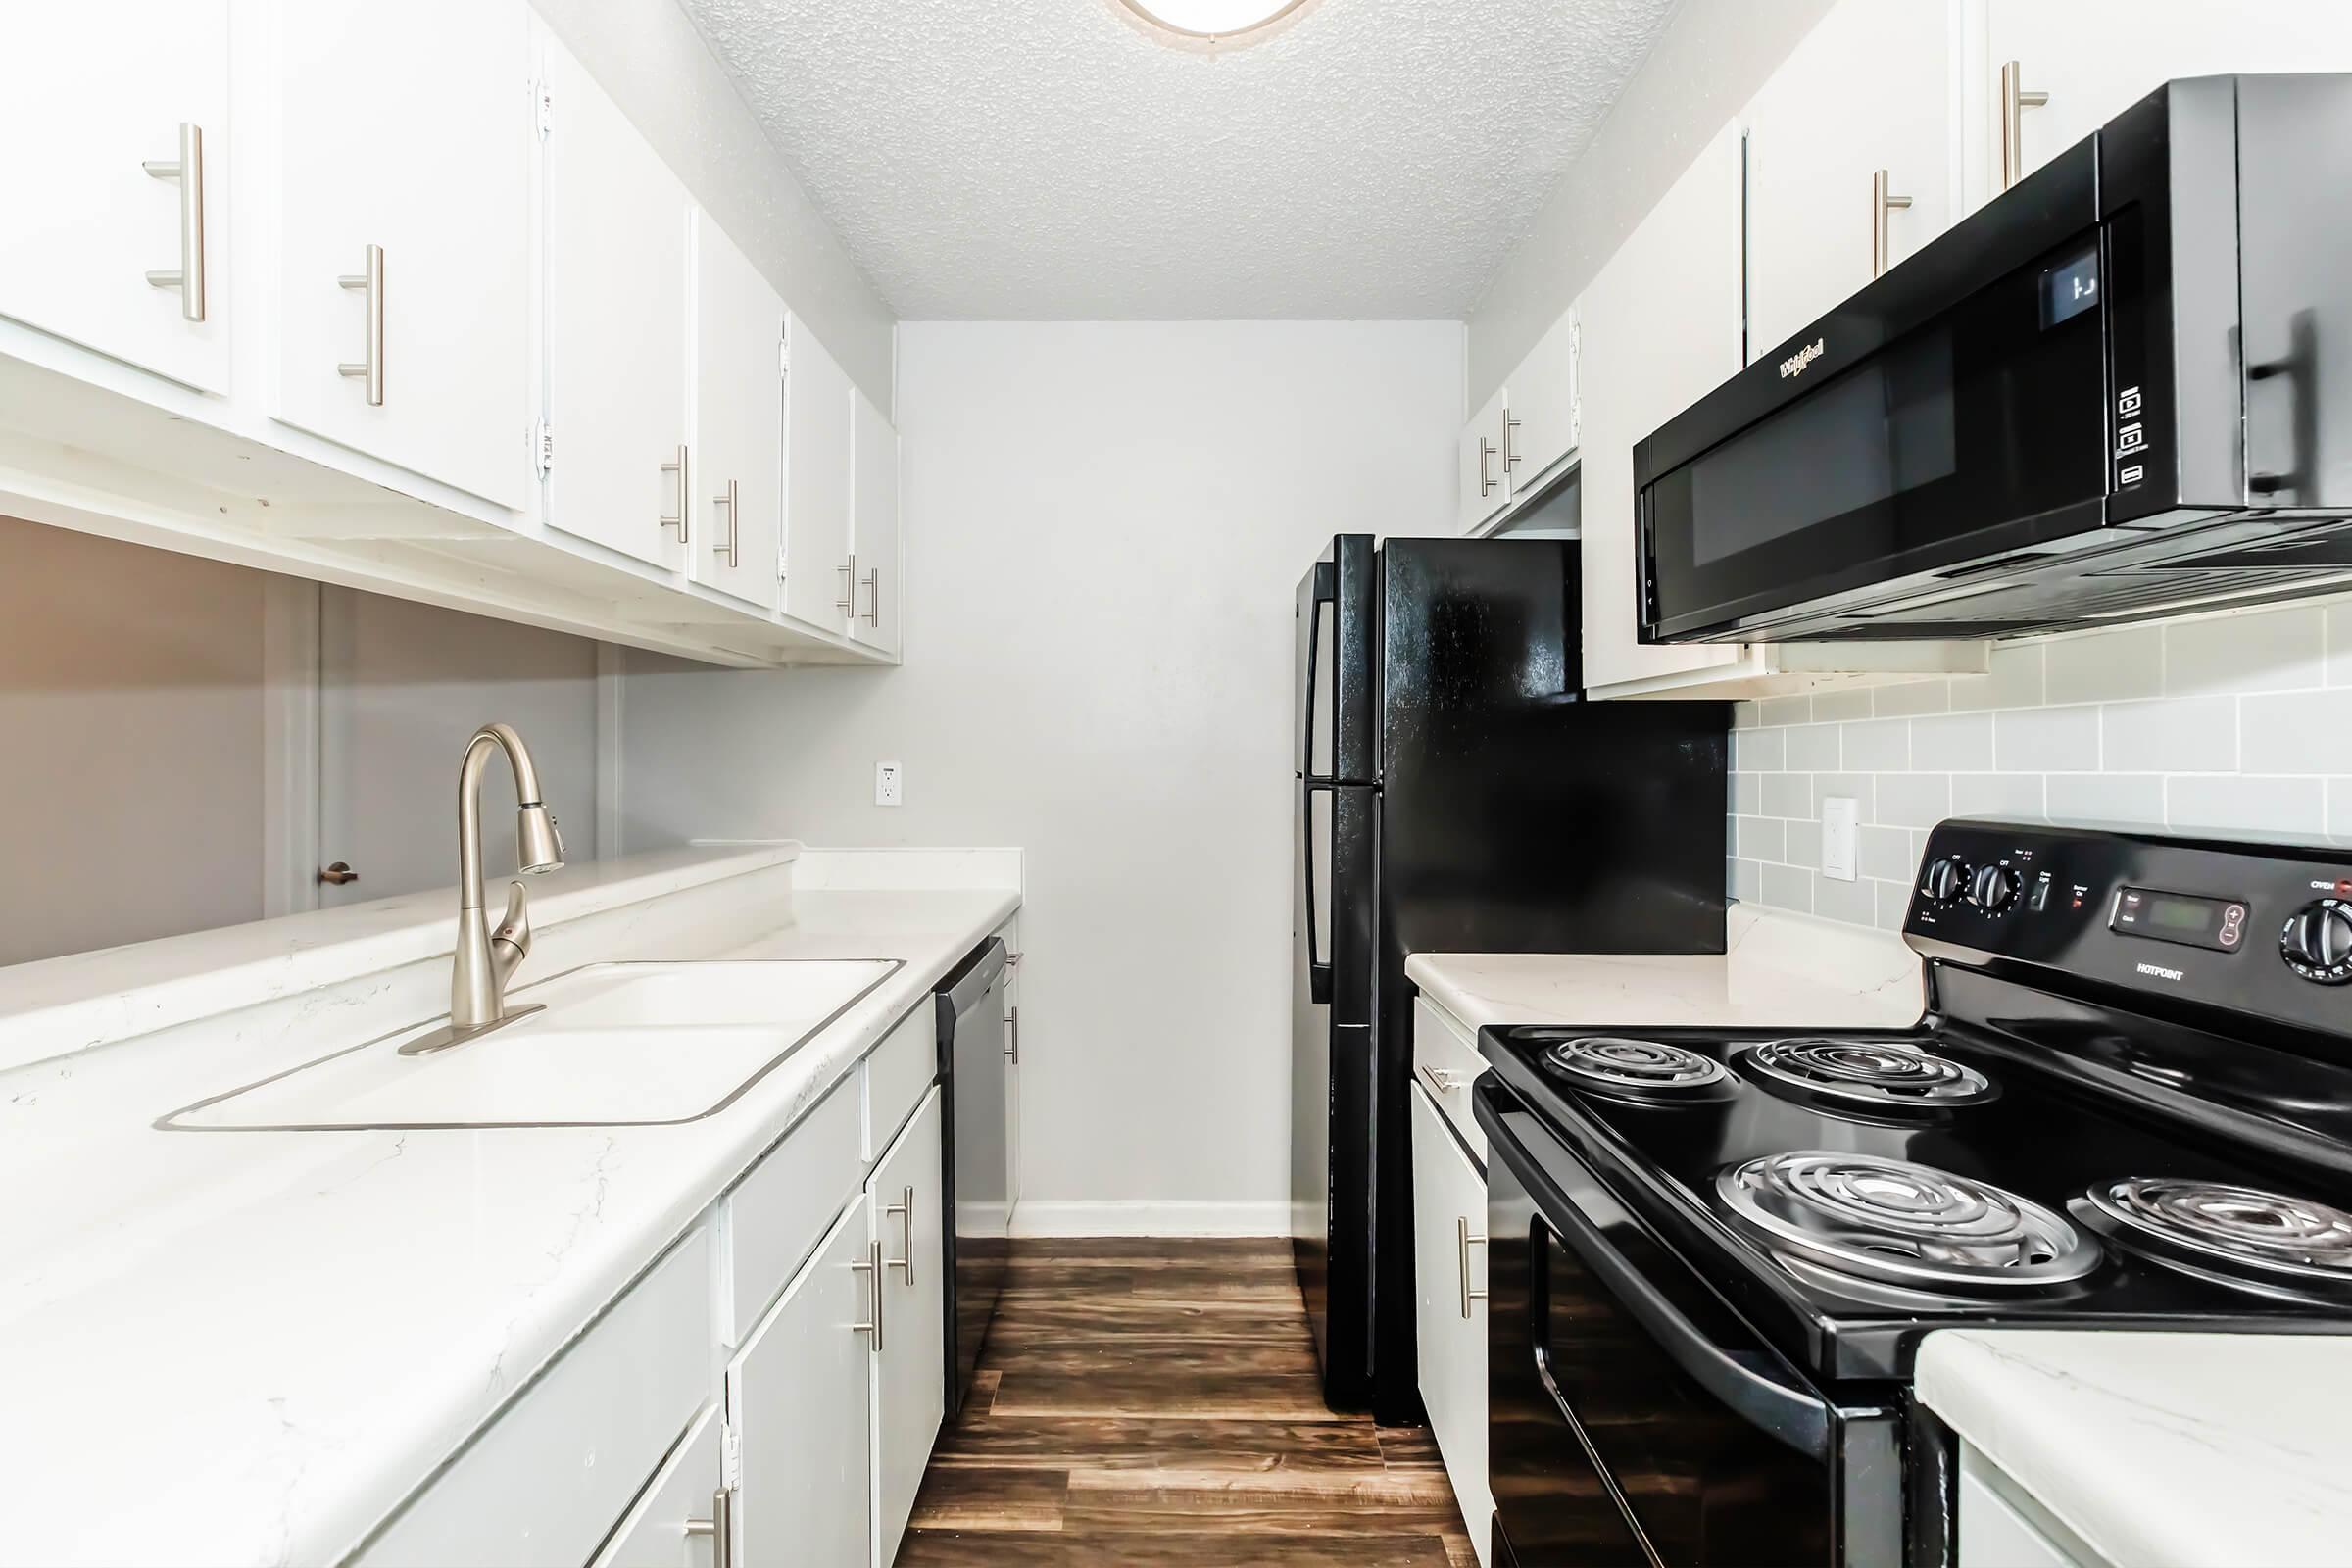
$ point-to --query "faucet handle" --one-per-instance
(515, 930)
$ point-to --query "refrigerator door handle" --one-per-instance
(1318, 963)
(1325, 592)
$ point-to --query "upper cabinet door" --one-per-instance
(618, 222)
(1869, 90)
(816, 483)
(738, 420)
(1541, 413)
(404, 289)
(1661, 328)
(2091, 61)
(874, 537)
(106, 242)
(1482, 487)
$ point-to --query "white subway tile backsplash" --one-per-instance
(1910, 697)
(2267, 650)
(1788, 710)
(1959, 743)
(1860, 788)
(2282, 808)
(2309, 732)
(1788, 887)
(1854, 902)
(1814, 747)
(2338, 620)
(1757, 749)
(1914, 799)
(2043, 740)
(2112, 666)
(1878, 745)
(1788, 795)
(2133, 798)
(1747, 713)
(1760, 838)
(2017, 796)
(1894, 902)
(1887, 853)
(1747, 881)
(1840, 703)
(1804, 845)
(1747, 794)
(2339, 810)
(2177, 735)
(2013, 678)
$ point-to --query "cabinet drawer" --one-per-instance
(1445, 1064)
(898, 1073)
(779, 1212)
(547, 1479)
(654, 1535)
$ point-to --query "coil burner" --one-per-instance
(1869, 1072)
(1647, 1071)
(1897, 1223)
(2239, 1235)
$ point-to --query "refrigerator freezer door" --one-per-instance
(1336, 734)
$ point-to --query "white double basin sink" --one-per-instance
(616, 1045)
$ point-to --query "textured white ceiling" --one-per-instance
(1046, 159)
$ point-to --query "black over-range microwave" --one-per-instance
(2120, 389)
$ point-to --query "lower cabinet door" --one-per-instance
(1449, 1222)
(672, 1523)
(910, 1374)
(797, 1395)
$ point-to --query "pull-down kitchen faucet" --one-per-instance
(486, 958)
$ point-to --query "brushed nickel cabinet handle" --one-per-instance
(1463, 1241)
(904, 1210)
(1486, 450)
(370, 369)
(2015, 101)
(720, 1526)
(188, 170)
(871, 1267)
(731, 499)
(846, 604)
(873, 584)
(1881, 204)
(1510, 458)
(339, 875)
(1441, 1080)
(681, 465)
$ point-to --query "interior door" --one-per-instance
(402, 688)
(408, 130)
(99, 95)
(2091, 63)
(911, 1373)
(818, 455)
(738, 420)
(1868, 89)
(874, 536)
(617, 228)
(798, 1395)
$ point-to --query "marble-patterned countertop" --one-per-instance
(247, 1347)
(1780, 971)
(2163, 1450)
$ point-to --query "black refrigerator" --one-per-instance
(1455, 793)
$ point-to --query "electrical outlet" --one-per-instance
(890, 785)
(1838, 815)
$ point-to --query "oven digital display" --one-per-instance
(2197, 922)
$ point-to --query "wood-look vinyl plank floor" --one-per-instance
(1155, 1404)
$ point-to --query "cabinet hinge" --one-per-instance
(545, 102)
(543, 447)
(730, 1456)
(783, 359)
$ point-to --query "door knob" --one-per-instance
(337, 874)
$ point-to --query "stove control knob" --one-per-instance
(2316, 943)
(1993, 888)
(1944, 880)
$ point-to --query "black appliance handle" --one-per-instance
(1325, 592)
(1794, 1416)
(1318, 966)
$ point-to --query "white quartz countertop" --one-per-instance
(1780, 971)
(2200, 1451)
(246, 1347)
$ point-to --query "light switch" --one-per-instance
(1839, 814)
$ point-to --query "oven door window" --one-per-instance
(1992, 412)
(1704, 1485)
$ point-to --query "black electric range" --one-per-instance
(1713, 1253)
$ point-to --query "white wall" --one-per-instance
(648, 57)
(2238, 723)
(1104, 526)
(1707, 65)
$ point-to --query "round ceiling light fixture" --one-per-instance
(1212, 24)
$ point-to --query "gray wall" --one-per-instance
(1709, 63)
(648, 57)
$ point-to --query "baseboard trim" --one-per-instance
(1044, 1217)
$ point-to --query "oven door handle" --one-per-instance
(1792, 1415)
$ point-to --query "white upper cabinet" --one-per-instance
(1868, 93)
(116, 180)
(1661, 328)
(2091, 61)
(739, 421)
(818, 461)
(875, 530)
(403, 286)
(1482, 488)
(1541, 411)
(618, 223)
